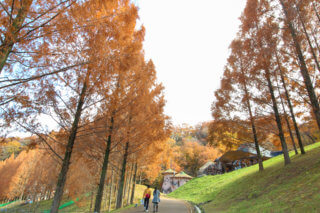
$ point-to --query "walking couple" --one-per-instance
(155, 200)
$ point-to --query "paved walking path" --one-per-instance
(165, 206)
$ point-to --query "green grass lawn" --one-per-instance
(45, 205)
(279, 188)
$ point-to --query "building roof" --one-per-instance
(234, 155)
(250, 148)
(231, 156)
(182, 175)
(169, 171)
(205, 166)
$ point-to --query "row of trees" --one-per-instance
(271, 79)
(33, 175)
(79, 67)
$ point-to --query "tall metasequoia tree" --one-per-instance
(285, 115)
(290, 105)
(287, 10)
(227, 131)
(243, 64)
(129, 57)
(99, 42)
(276, 113)
(145, 116)
(261, 29)
(102, 36)
(121, 191)
(66, 160)
(105, 163)
(265, 40)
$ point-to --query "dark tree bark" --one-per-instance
(315, 10)
(134, 183)
(293, 117)
(104, 168)
(310, 137)
(91, 201)
(289, 127)
(116, 188)
(278, 120)
(286, 117)
(308, 39)
(122, 177)
(110, 192)
(254, 131)
(129, 184)
(303, 67)
(66, 160)
(125, 187)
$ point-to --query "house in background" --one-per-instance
(172, 181)
(244, 156)
(211, 168)
(167, 181)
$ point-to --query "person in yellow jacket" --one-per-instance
(146, 197)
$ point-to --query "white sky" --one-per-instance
(188, 42)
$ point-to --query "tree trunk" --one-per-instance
(126, 179)
(289, 128)
(116, 188)
(66, 161)
(308, 39)
(315, 10)
(97, 205)
(254, 132)
(13, 32)
(121, 181)
(110, 192)
(303, 68)
(310, 137)
(105, 195)
(286, 117)
(129, 184)
(278, 120)
(134, 183)
(91, 201)
(293, 117)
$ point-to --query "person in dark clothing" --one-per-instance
(146, 197)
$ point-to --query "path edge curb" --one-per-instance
(194, 208)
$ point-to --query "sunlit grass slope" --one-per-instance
(279, 188)
(44, 206)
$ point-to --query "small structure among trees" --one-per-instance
(244, 156)
(208, 169)
(172, 181)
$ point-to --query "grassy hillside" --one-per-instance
(43, 206)
(277, 189)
